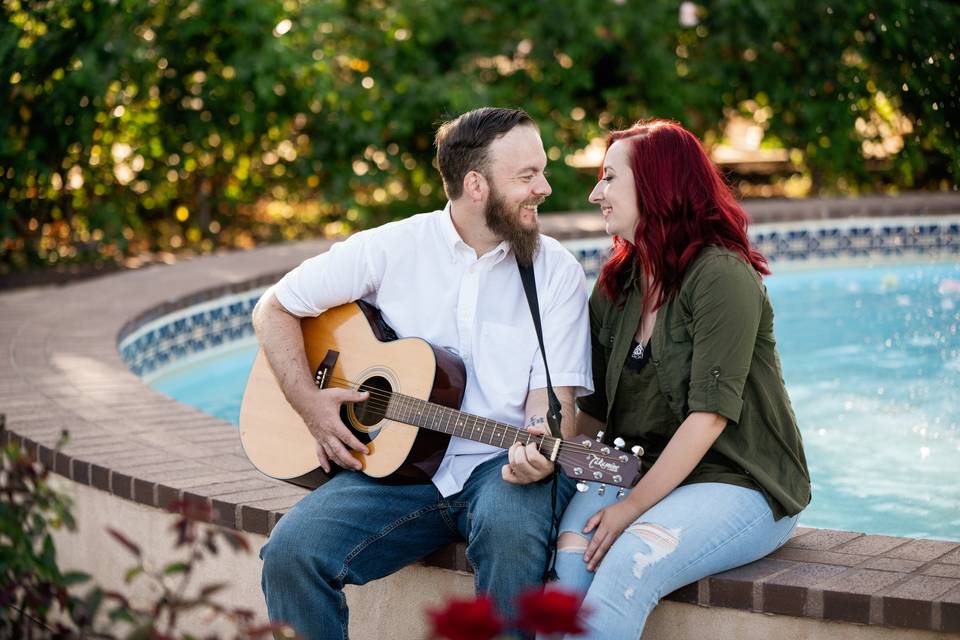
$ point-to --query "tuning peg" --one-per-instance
(637, 450)
(600, 436)
(582, 486)
(602, 490)
(620, 492)
(619, 442)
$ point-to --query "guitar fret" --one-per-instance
(436, 417)
(397, 402)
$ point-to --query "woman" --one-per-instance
(685, 366)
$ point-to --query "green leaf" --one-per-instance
(72, 578)
(176, 567)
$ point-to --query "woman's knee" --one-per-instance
(572, 542)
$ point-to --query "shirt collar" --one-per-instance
(454, 242)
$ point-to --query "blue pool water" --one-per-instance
(871, 358)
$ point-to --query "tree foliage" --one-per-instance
(134, 125)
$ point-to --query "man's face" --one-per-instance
(517, 187)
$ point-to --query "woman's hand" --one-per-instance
(609, 523)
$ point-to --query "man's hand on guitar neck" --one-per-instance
(526, 462)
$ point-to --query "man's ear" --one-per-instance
(475, 186)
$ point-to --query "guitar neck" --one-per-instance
(435, 417)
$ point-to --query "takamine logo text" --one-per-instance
(596, 462)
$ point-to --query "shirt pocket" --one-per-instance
(676, 361)
(678, 331)
(505, 356)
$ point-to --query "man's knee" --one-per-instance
(499, 533)
(285, 554)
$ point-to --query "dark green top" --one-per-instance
(714, 351)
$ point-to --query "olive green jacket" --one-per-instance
(714, 351)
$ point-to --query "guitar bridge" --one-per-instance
(325, 370)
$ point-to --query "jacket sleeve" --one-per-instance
(725, 299)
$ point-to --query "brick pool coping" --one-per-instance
(63, 371)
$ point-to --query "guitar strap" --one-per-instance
(554, 416)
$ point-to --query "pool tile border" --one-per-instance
(211, 325)
(62, 369)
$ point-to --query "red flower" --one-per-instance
(473, 619)
(550, 611)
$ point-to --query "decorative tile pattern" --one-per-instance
(189, 331)
(219, 322)
(873, 239)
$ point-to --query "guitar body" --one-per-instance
(277, 440)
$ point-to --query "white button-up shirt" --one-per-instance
(428, 283)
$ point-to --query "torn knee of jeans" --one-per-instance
(660, 542)
(656, 535)
(569, 541)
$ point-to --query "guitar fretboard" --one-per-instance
(435, 417)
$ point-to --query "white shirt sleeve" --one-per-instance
(342, 274)
(566, 331)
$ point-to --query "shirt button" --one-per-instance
(656, 363)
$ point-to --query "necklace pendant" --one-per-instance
(637, 352)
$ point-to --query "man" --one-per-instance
(451, 278)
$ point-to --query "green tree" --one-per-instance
(191, 124)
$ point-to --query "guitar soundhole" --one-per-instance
(372, 410)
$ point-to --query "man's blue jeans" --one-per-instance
(355, 529)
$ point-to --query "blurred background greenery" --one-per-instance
(134, 129)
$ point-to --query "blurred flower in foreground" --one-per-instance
(549, 611)
(466, 619)
(545, 612)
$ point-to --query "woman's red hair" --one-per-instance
(684, 206)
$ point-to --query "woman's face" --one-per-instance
(616, 193)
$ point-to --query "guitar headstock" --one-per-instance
(587, 459)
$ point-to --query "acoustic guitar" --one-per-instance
(413, 409)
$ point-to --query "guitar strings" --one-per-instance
(567, 453)
(384, 397)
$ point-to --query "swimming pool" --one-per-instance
(871, 359)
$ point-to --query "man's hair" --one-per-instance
(463, 144)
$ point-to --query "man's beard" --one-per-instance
(506, 224)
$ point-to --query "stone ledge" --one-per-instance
(819, 573)
(61, 369)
